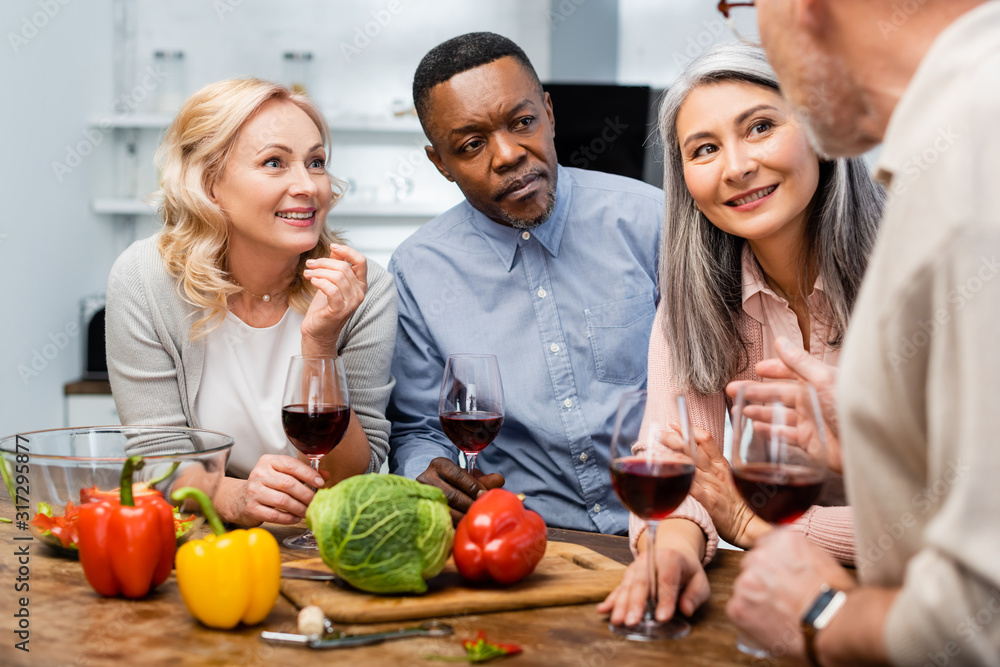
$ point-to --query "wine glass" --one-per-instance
(652, 465)
(778, 456)
(471, 403)
(315, 413)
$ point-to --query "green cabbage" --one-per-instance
(382, 533)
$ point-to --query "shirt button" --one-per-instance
(583, 457)
(597, 508)
(554, 347)
(541, 293)
(568, 402)
(525, 235)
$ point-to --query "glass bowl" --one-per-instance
(46, 470)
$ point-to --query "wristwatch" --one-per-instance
(818, 616)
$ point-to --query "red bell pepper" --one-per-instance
(127, 545)
(499, 539)
(140, 489)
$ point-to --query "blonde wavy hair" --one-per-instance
(191, 160)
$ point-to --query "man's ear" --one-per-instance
(433, 156)
(548, 112)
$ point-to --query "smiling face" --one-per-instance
(275, 189)
(747, 161)
(492, 133)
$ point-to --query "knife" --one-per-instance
(304, 573)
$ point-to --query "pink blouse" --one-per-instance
(765, 316)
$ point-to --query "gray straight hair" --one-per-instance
(700, 265)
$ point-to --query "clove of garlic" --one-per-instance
(312, 621)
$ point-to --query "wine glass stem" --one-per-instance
(651, 550)
(470, 462)
(314, 462)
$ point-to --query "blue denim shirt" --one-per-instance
(566, 307)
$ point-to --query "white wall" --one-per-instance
(657, 39)
(54, 251)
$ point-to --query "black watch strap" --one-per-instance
(826, 605)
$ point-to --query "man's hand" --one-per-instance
(682, 582)
(778, 581)
(460, 488)
(795, 364)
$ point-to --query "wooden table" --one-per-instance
(72, 625)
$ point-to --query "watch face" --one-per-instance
(819, 605)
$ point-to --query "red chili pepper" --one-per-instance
(481, 649)
(127, 546)
(499, 539)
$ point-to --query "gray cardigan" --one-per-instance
(156, 368)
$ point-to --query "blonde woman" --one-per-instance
(203, 317)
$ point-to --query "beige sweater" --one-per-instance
(919, 389)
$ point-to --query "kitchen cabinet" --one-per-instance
(89, 403)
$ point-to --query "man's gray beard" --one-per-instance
(834, 108)
(521, 223)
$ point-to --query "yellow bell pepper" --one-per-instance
(229, 577)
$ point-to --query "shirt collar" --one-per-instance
(754, 283)
(504, 240)
(959, 49)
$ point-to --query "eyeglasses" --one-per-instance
(745, 29)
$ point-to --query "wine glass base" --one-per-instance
(648, 630)
(306, 541)
(749, 647)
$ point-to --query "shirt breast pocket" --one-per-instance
(619, 336)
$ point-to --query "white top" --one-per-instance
(242, 385)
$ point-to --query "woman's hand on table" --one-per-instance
(277, 491)
(682, 584)
(714, 488)
(341, 281)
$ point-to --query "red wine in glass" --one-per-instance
(778, 493)
(315, 413)
(652, 466)
(315, 429)
(778, 457)
(471, 431)
(470, 403)
(651, 489)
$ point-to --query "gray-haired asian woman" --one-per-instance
(764, 238)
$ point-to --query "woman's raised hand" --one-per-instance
(714, 488)
(341, 281)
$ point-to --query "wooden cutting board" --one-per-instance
(567, 574)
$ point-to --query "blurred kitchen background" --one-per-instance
(91, 84)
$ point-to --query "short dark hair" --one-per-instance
(460, 54)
